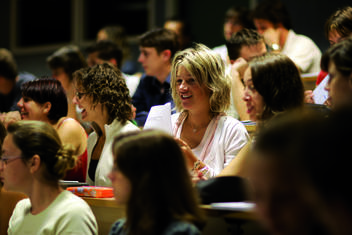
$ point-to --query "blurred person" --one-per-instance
(242, 47)
(236, 18)
(201, 93)
(44, 99)
(63, 63)
(272, 20)
(182, 29)
(169, 204)
(103, 96)
(337, 28)
(33, 162)
(117, 34)
(10, 85)
(337, 60)
(108, 51)
(157, 48)
(286, 202)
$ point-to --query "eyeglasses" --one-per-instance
(7, 160)
(79, 95)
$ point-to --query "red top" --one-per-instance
(322, 74)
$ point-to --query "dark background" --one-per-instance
(34, 29)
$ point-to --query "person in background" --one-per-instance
(236, 18)
(337, 60)
(272, 20)
(108, 51)
(45, 100)
(182, 29)
(272, 85)
(104, 99)
(10, 85)
(33, 162)
(117, 34)
(242, 47)
(338, 27)
(8, 199)
(201, 93)
(157, 48)
(287, 160)
(62, 64)
(169, 204)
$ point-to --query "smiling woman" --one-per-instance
(45, 100)
(201, 93)
(102, 94)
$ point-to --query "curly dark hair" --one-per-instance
(104, 84)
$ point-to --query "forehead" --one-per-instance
(9, 146)
(148, 49)
(247, 77)
(182, 72)
(252, 51)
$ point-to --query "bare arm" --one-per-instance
(237, 71)
(237, 167)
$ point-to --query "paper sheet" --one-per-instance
(320, 95)
(159, 117)
(234, 206)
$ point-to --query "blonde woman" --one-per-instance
(201, 93)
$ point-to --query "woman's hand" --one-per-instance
(308, 97)
(10, 117)
(187, 153)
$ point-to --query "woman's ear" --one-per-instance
(46, 107)
(34, 163)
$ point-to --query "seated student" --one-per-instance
(236, 19)
(117, 34)
(287, 150)
(201, 93)
(32, 162)
(337, 60)
(8, 199)
(62, 63)
(103, 96)
(272, 20)
(158, 199)
(272, 85)
(338, 27)
(182, 28)
(45, 100)
(242, 47)
(157, 47)
(10, 85)
(108, 51)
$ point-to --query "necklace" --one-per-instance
(194, 129)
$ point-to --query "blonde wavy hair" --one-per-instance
(208, 69)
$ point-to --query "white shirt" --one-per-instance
(67, 214)
(303, 51)
(106, 158)
(219, 148)
(132, 82)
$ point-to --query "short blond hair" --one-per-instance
(208, 69)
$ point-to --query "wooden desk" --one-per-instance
(107, 212)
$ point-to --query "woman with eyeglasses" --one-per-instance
(45, 100)
(102, 95)
(8, 199)
(33, 161)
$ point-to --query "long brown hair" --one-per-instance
(161, 188)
